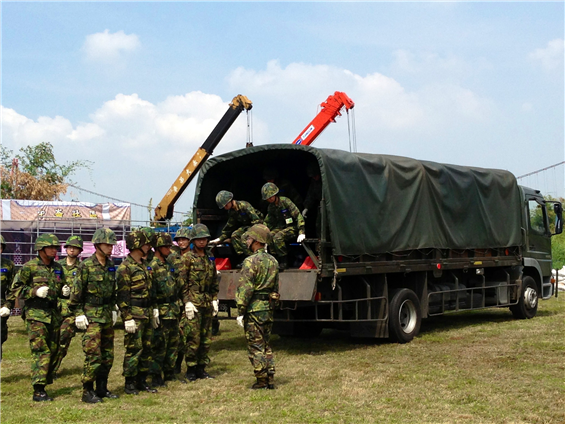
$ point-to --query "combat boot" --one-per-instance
(191, 374)
(201, 372)
(130, 386)
(157, 381)
(39, 393)
(271, 381)
(262, 383)
(88, 394)
(169, 376)
(142, 384)
(102, 388)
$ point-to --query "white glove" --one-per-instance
(155, 320)
(301, 238)
(215, 241)
(304, 212)
(130, 326)
(239, 320)
(66, 290)
(42, 292)
(215, 307)
(81, 322)
(114, 318)
(190, 310)
(4, 312)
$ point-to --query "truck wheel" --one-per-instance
(527, 305)
(404, 316)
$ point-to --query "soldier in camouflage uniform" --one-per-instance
(70, 264)
(93, 300)
(168, 292)
(7, 277)
(241, 216)
(40, 283)
(256, 298)
(284, 221)
(138, 306)
(286, 189)
(150, 233)
(200, 295)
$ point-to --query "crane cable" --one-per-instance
(249, 136)
(351, 131)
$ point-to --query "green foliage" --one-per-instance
(557, 241)
(188, 219)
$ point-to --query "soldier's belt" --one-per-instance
(260, 296)
(168, 299)
(98, 301)
(39, 303)
(142, 303)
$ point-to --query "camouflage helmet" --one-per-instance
(74, 241)
(104, 235)
(163, 240)
(200, 231)
(270, 173)
(260, 233)
(269, 190)
(184, 232)
(2, 242)
(46, 240)
(223, 198)
(136, 240)
(150, 233)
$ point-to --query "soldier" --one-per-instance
(200, 295)
(241, 216)
(150, 233)
(40, 283)
(7, 278)
(73, 246)
(168, 292)
(256, 298)
(286, 189)
(93, 301)
(136, 300)
(284, 221)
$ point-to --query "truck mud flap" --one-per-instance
(294, 285)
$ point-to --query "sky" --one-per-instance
(136, 87)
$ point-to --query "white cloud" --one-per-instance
(550, 57)
(107, 47)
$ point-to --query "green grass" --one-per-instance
(477, 367)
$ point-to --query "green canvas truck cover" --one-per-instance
(380, 203)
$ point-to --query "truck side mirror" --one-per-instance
(558, 209)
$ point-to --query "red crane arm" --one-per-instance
(330, 110)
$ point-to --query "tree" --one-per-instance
(34, 173)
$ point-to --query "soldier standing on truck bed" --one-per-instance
(284, 221)
(73, 246)
(200, 295)
(40, 283)
(93, 301)
(256, 298)
(241, 216)
(138, 306)
(7, 278)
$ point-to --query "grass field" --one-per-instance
(478, 367)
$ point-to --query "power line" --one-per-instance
(540, 170)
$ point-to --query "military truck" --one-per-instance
(397, 240)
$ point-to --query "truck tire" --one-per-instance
(405, 316)
(527, 305)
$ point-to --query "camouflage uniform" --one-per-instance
(42, 316)
(94, 295)
(166, 336)
(259, 277)
(136, 300)
(68, 327)
(240, 218)
(285, 222)
(200, 287)
(7, 271)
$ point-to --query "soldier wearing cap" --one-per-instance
(256, 297)
(241, 216)
(200, 296)
(138, 306)
(7, 278)
(73, 246)
(284, 221)
(93, 301)
(40, 283)
(168, 293)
